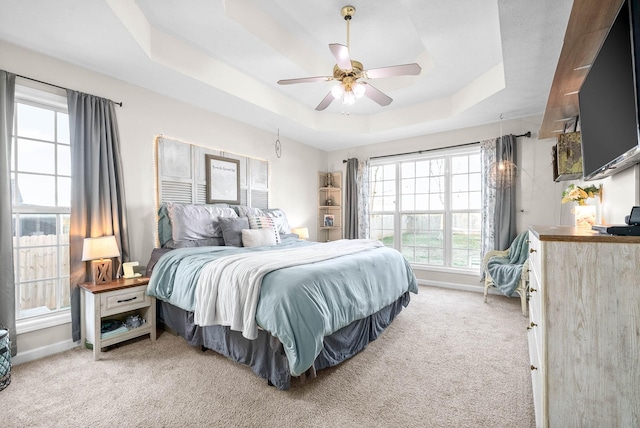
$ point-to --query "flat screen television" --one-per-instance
(608, 101)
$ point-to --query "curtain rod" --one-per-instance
(56, 86)
(418, 152)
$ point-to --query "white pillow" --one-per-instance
(258, 237)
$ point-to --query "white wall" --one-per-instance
(146, 114)
(620, 193)
(538, 196)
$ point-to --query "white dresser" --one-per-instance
(584, 331)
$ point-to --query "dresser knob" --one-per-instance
(531, 326)
(532, 250)
(533, 367)
(532, 290)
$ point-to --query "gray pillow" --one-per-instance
(232, 230)
(245, 211)
(191, 222)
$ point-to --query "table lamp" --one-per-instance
(100, 251)
(302, 232)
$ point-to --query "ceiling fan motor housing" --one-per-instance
(354, 73)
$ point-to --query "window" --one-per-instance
(41, 199)
(428, 207)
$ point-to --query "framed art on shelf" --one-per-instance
(328, 220)
(223, 180)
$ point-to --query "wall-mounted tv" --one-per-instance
(608, 99)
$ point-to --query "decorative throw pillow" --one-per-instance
(279, 219)
(164, 225)
(232, 230)
(256, 222)
(258, 237)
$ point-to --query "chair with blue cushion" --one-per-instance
(508, 270)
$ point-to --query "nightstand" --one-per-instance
(115, 300)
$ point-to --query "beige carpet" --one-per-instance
(448, 360)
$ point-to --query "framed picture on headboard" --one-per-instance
(223, 180)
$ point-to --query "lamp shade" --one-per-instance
(302, 232)
(104, 247)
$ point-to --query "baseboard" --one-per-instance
(457, 286)
(44, 351)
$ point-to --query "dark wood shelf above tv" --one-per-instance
(587, 28)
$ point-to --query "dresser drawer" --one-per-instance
(536, 377)
(129, 299)
(535, 297)
(534, 254)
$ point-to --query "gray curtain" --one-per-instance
(7, 283)
(97, 187)
(504, 216)
(351, 200)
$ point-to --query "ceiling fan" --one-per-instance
(348, 72)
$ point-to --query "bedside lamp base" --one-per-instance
(101, 271)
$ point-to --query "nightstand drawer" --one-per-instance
(129, 299)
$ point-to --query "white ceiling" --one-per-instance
(480, 59)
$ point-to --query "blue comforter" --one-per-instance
(299, 305)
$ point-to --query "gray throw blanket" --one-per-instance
(506, 271)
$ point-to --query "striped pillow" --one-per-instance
(256, 222)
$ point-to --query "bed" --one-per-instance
(235, 280)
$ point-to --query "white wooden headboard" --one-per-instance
(180, 174)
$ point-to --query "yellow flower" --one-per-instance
(578, 194)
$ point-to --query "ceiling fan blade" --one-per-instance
(376, 95)
(341, 54)
(325, 102)
(395, 70)
(305, 80)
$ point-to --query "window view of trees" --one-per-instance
(429, 208)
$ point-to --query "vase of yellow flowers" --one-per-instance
(584, 215)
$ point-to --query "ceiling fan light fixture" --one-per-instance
(358, 90)
(337, 91)
(348, 98)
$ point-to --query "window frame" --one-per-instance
(52, 99)
(398, 212)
